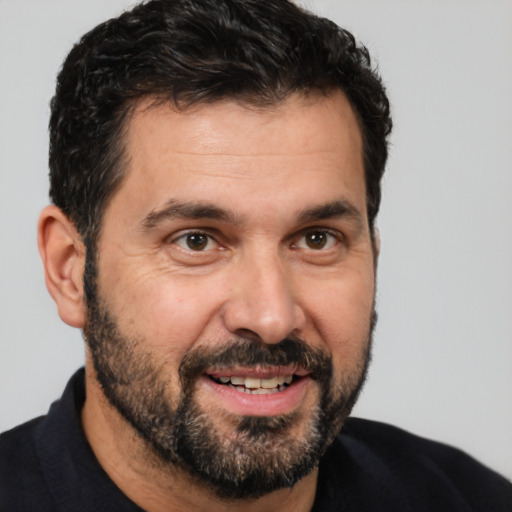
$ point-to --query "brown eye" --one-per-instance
(316, 239)
(195, 242)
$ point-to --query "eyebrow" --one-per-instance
(333, 209)
(174, 209)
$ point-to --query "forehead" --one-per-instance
(226, 151)
(296, 125)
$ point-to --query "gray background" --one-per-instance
(443, 355)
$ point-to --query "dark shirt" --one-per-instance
(47, 465)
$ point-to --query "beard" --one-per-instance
(260, 454)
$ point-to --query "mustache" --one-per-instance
(250, 352)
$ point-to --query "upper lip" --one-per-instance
(257, 372)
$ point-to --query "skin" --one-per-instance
(257, 277)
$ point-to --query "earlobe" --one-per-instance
(63, 254)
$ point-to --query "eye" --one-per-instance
(195, 242)
(317, 240)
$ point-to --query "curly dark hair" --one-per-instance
(256, 52)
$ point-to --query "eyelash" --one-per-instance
(186, 236)
(331, 238)
(335, 237)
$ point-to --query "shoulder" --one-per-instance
(22, 486)
(412, 473)
(401, 448)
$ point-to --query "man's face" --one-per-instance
(232, 318)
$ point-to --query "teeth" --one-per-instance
(251, 383)
(258, 391)
(261, 391)
(269, 383)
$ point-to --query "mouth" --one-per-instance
(258, 392)
(255, 385)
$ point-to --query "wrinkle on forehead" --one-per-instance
(199, 125)
(259, 163)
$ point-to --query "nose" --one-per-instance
(263, 303)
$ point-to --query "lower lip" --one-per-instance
(244, 404)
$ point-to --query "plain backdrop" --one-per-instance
(442, 363)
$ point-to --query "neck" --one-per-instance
(126, 459)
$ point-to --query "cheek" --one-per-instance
(170, 313)
(341, 314)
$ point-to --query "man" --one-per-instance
(215, 177)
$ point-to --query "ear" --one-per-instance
(376, 245)
(63, 254)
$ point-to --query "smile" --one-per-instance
(258, 391)
(254, 385)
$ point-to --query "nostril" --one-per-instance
(248, 334)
